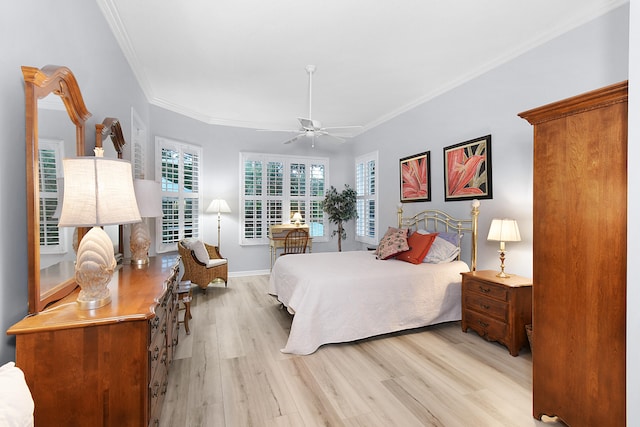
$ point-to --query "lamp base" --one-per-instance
(94, 268)
(140, 262)
(217, 280)
(139, 243)
(502, 274)
(93, 303)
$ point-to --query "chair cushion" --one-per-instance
(198, 248)
(216, 262)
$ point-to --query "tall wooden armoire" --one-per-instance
(580, 257)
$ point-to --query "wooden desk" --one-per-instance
(108, 366)
(277, 233)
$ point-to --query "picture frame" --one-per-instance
(415, 178)
(467, 170)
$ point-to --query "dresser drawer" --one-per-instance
(487, 306)
(488, 289)
(157, 391)
(486, 326)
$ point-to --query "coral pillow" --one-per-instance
(393, 243)
(420, 245)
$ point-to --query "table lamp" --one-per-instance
(503, 230)
(97, 192)
(297, 218)
(149, 198)
(219, 206)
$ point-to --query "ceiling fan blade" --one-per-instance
(278, 130)
(294, 139)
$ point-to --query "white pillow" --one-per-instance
(16, 403)
(200, 251)
(441, 251)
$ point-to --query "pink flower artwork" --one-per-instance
(467, 170)
(414, 178)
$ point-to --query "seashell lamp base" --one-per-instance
(94, 268)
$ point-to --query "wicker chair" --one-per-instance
(197, 271)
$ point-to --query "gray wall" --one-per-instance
(589, 57)
(36, 33)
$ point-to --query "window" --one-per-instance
(367, 198)
(138, 145)
(274, 187)
(52, 238)
(178, 165)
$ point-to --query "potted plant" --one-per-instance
(341, 207)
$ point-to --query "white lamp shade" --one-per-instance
(218, 206)
(504, 230)
(97, 191)
(60, 188)
(149, 197)
(297, 217)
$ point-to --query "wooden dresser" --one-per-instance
(497, 309)
(109, 366)
(580, 257)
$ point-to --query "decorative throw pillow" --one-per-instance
(450, 236)
(200, 251)
(393, 243)
(16, 402)
(441, 251)
(419, 245)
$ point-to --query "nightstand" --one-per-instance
(497, 309)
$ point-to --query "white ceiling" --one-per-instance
(242, 62)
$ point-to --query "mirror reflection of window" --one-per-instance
(50, 153)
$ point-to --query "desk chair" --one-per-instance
(296, 242)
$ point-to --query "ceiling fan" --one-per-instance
(313, 128)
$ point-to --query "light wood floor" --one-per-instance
(229, 372)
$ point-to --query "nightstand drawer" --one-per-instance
(488, 289)
(486, 326)
(487, 306)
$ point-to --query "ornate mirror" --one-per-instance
(110, 129)
(56, 280)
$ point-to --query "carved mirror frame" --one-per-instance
(38, 84)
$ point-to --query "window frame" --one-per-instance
(193, 226)
(364, 197)
(283, 202)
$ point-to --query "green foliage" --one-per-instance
(340, 207)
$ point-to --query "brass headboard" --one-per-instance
(436, 220)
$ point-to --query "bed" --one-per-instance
(346, 296)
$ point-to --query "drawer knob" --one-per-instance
(483, 324)
(485, 290)
(485, 306)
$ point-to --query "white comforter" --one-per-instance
(346, 296)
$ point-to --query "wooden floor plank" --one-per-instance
(230, 372)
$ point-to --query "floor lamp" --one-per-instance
(218, 206)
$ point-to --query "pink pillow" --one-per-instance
(393, 243)
(419, 246)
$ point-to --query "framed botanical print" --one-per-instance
(415, 178)
(467, 170)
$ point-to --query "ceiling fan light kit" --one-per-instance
(313, 128)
